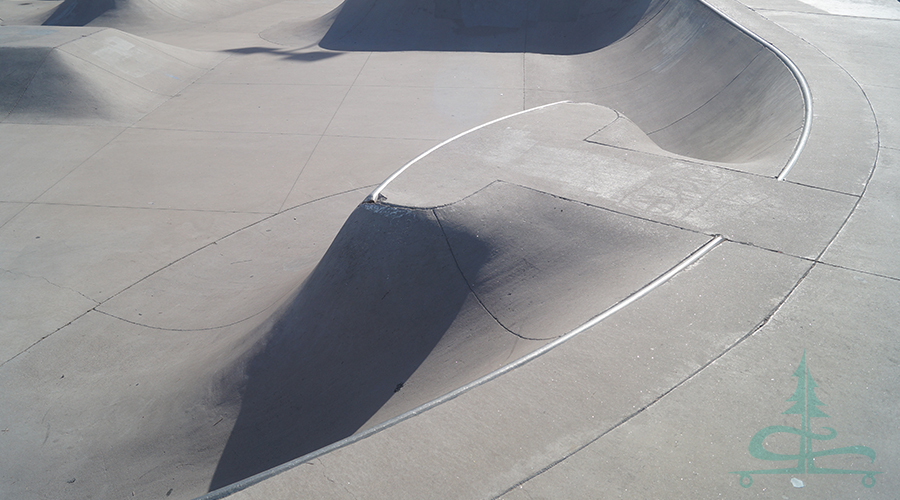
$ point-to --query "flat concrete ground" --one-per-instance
(165, 217)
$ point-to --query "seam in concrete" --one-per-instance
(683, 159)
(216, 242)
(250, 481)
(723, 89)
(619, 116)
(38, 341)
(625, 420)
(860, 271)
(823, 14)
(138, 126)
(76, 167)
(376, 194)
(435, 87)
(469, 285)
(49, 282)
(101, 68)
(820, 188)
(25, 89)
(170, 265)
(187, 330)
(892, 87)
(324, 131)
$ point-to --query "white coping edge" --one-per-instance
(262, 476)
(373, 197)
(801, 81)
(795, 71)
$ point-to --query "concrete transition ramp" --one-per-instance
(146, 15)
(694, 83)
(410, 303)
(90, 75)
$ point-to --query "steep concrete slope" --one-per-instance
(696, 84)
(409, 304)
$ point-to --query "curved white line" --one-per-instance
(373, 197)
(801, 81)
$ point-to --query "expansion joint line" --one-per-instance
(469, 285)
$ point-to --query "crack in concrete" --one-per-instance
(61, 287)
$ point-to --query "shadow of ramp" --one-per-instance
(79, 12)
(372, 310)
(539, 26)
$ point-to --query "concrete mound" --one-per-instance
(140, 16)
(409, 304)
(90, 75)
(693, 82)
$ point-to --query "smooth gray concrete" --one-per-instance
(194, 291)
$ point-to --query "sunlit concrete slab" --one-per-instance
(304, 109)
(64, 149)
(188, 170)
(659, 452)
(335, 167)
(80, 247)
(869, 241)
(419, 113)
(607, 296)
(26, 320)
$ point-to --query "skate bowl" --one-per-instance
(479, 253)
(693, 82)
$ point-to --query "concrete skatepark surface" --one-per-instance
(620, 231)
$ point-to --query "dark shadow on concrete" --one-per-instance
(540, 26)
(79, 12)
(378, 302)
(287, 54)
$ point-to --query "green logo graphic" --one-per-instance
(805, 405)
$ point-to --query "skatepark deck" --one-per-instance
(448, 248)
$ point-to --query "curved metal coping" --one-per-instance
(801, 81)
(373, 196)
(250, 481)
(795, 71)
